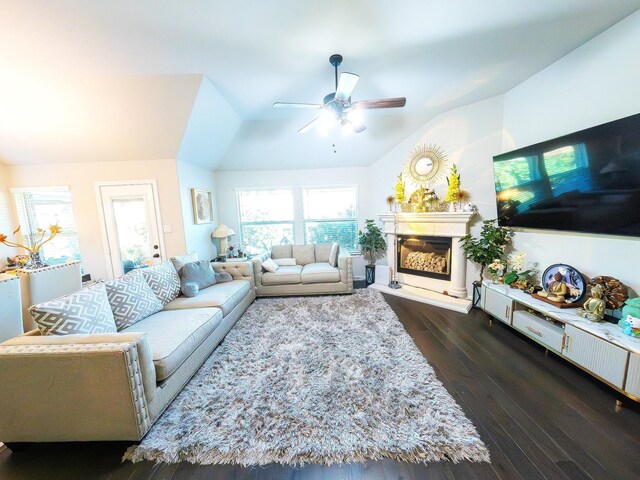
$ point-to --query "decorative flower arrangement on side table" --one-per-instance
(34, 249)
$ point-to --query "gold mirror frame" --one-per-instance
(435, 176)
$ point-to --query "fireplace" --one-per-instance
(426, 256)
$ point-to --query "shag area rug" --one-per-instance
(332, 379)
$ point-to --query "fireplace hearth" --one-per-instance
(424, 255)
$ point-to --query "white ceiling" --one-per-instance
(63, 65)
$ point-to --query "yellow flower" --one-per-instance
(55, 229)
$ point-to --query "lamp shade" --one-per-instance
(222, 231)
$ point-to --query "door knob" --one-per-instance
(155, 247)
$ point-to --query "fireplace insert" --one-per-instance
(427, 256)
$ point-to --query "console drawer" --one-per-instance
(542, 331)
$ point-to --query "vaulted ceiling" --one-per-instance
(108, 80)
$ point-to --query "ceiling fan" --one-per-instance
(337, 106)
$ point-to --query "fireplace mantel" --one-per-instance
(442, 224)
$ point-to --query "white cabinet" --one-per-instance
(10, 307)
(633, 376)
(498, 305)
(604, 359)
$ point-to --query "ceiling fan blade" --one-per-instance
(345, 86)
(296, 105)
(309, 125)
(382, 103)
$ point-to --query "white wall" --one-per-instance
(8, 221)
(197, 237)
(470, 136)
(594, 84)
(81, 179)
(228, 208)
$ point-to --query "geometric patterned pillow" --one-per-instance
(131, 300)
(84, 311)
(163, 280)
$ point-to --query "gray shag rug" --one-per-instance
(327, 380)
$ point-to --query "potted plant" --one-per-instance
(373, 247)
(489, 247)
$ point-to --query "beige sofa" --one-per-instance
(114, 386)
(312, 274)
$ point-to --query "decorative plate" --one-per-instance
(559, 278)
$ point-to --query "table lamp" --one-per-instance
(222, 232)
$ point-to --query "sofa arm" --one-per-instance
(238, 270)
(345, 266)
(64, 388)
(257, 266)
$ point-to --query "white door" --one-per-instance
(131, 225)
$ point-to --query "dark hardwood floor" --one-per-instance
(539, 416)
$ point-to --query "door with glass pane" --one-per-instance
(131, 225)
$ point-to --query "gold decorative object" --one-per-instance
(426, 167)
(593, 308)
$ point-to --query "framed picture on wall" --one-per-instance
(202, 206)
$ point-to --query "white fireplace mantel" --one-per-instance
(442, 224)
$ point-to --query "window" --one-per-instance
(331, 215)
(42, 207)
(266, 218)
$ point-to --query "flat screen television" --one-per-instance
(587, 181)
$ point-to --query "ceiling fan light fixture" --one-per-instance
(355, 116)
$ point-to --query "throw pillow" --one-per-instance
(181, 260)
(223, 277)
(285, 262)
(270, 265)
(131, 300)
(304, 254)
(281, 251)
(199, 273)
(189, 289)
(322, 252)
(333, 255)
(84, 311)
(163, 280)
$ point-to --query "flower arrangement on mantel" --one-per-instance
(455, 195)
(34, 249)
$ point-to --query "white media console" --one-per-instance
(599, 348)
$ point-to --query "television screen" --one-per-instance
(587, 181)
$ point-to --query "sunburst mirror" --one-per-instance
(427, 166)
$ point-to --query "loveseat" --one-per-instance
(308, 270)
(113, 386)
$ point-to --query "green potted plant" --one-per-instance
(489, 247)
(373, 246)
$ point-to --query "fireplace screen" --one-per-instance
(426, 256)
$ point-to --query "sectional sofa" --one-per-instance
(113, 386)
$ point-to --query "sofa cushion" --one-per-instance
(333, 254)
(285, 262)
(322, 252)
(131, 300)
(174, 335)
(270, 265)
(320, 272)
(84, 311)
(223, 277)
(181, 260)
(200, 273)
(304, 254)
(163, 280)
(281, 251)
(286, 275)
(222, 295)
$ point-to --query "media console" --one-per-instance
(599, 348)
